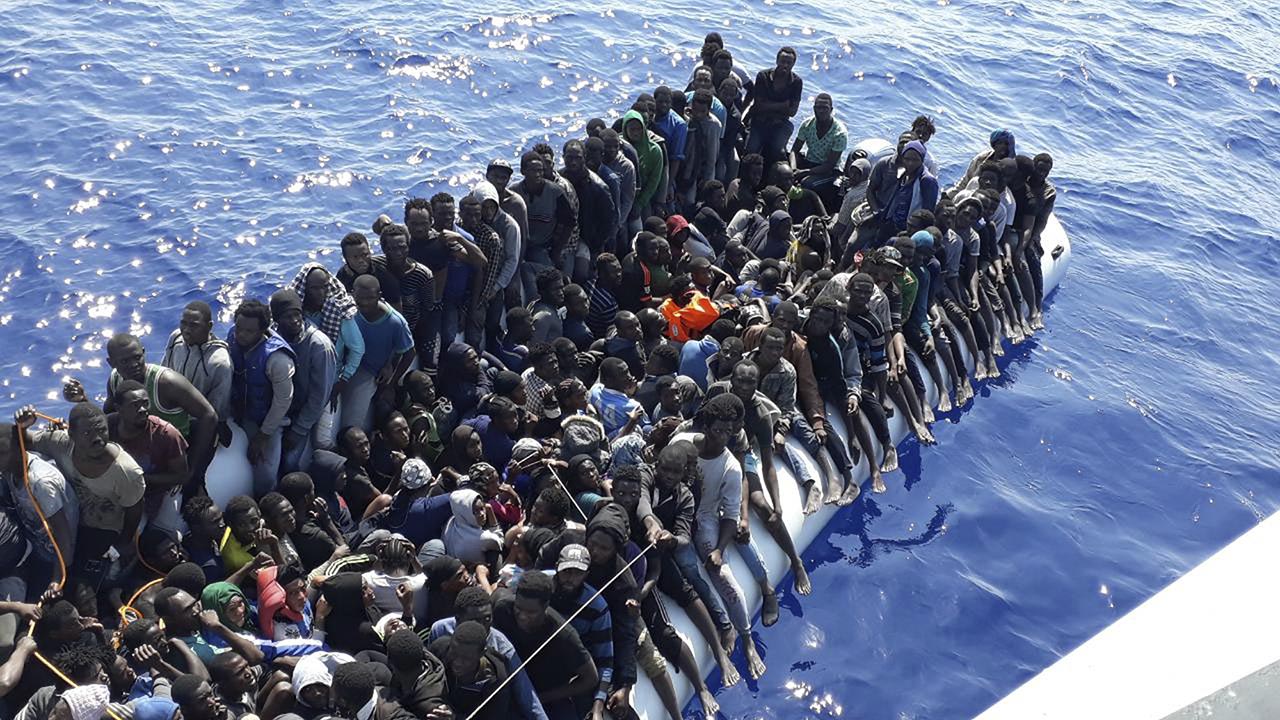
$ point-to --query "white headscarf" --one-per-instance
(463, 536)
(317, 668)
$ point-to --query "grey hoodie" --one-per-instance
(507, 229)
(207, 367)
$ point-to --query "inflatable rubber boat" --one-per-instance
(230, 475)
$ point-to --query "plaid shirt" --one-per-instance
(486, 238)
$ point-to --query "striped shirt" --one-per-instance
(604, 307)
(595, 628)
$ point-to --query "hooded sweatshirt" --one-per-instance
(325, 468)
(207, 367)
(649, 171)
(508, 229)
(613, 520)
(463, 536)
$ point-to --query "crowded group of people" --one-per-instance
(484, 460)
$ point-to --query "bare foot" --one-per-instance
(834, 486)
(1016, 337)
(803, 586)
(980, 372)
(998, 350)
(924, 436)
(967, 389)
(754, 664)
(1027, 330)
(944, 402)
(814, 499)
(851, 493)
(729, 675)
(890, 460)
(927, 412)
(993, 372)
(709, 705)
(768, 615)
(877, 485)
(1037, 321)
(728, 638)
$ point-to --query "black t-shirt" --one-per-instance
(764, 90)
(558, 662)
(390, 286)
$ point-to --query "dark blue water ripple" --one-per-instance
(158, 152)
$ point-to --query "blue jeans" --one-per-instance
(769, 139)
(357, 399)
(687, 560)
(451, 321)
(803, 431)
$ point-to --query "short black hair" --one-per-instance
(83, 411)
(539, 352)
(416, 203)
(186, 576)
(238, 506)
(442, 198)
(275, 501)
(353, 239)
(134, 635)
(405, 650)
(535, 586)
(470, 599)
(725, 406)
(925, 123)
(470, 633)
(627, 473)
(544, 148)
(196, 506)
(353, 682)
(787, 50)
(184, 689)
(220, 667)
(252, 308)
(669, 357)
(296, 486)
(502, 405)
(556, 501)
(545, 277)
(201, 307)
(527, 158)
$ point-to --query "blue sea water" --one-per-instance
(158, 152)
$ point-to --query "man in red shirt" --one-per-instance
(157, 447)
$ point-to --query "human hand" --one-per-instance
(26, 643)
(224, 434)
(853, 400)
(257, 452)
(209, 619)
(73, 391)
(619, 702)
(743, 535)
(261, 560)
(336, 392)
(714, 560)
(440, 712)
(25, 417)
(263, 536)
(820, 432)
(291, 440)
(319, 509)
(147, 655)
(404, 594)
(27, 611)
(384, 375)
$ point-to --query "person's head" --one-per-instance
(519, 325)
(773, 344)
(367, 293)
(786, 317)
(700, 106)
(550, 509)
(548, 160)
(60, 624)
(612, 144)
(196, 323)
(286, 308)
(353, 687)
(126, 356)
(911, 159)
(923, 128)
(505, 413)
(354, 445)
(161, 549)
(751, 171)
(990, 176)
(197, 699)
(712, 44)
(394, 241)
(179, 609)
(443, 211)
(252, 323)
(990, 202)
(664, 360)
(243, 517)
(132, 403)
(574, 156)
(721, 418)
(447, 574)
(203, 517)
(231, 674)
(470, 213)
(672, 465)
(919, 220)
(405, 654)
(532, 598)
(786, 60)
(730, 353)
(531, 168)
(1043, 164)
(315, 290)
(593, 152)
(608, 270)
(770, 278)
(542, 358)
(626, 487)
(745, 380)
(499, 173)
(652, 323)
(722, 65)
(356, 253)
(83, 663)
(550, 286)
(1002, 144)
(143, 631)
(577, 304)
(278, 513)
(702, 79)
(395, 431)
(571, 569)
(861, 289)
(728, 87)
(583, 474)
(774, 199)
(615, 375)
(473, 604)
(87, 425)
(417, 218)
(822, 317)
(628, 326)
(823, 107)
(466, 650)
